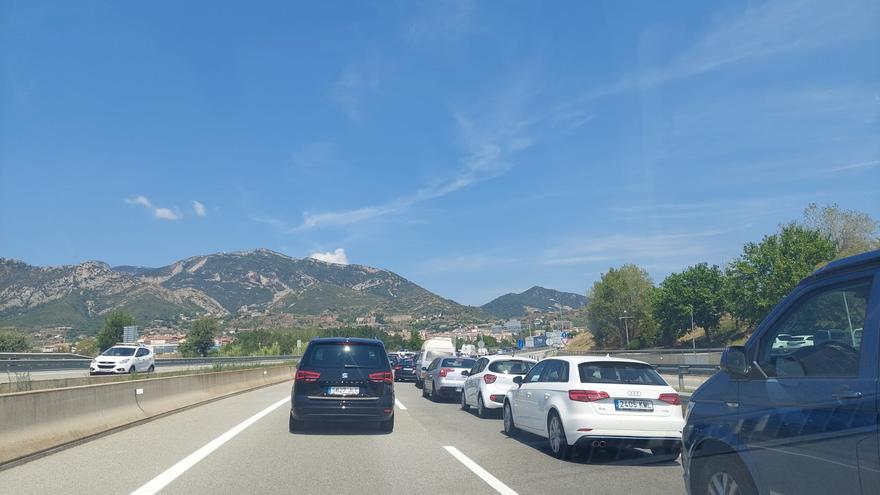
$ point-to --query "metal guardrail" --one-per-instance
(28, 364)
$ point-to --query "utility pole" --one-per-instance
(693, 337)
(625, 325)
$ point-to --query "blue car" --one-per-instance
(796, 420)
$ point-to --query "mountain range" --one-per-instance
(537, 298)
(223, 284)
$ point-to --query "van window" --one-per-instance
(432, 355)
(820, 336)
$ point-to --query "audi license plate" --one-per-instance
(343, 390)
(633, 405)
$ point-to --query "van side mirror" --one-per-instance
(734, 361)
(518, 380)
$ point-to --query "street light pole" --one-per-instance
(693, 337)
(625, 325)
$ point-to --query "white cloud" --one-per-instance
(199, 208)
(165, 214)
(632, 248)
(338, 257)
(158, 212)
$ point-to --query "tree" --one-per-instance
(11, 341)
(200, 338)
(626, 292)
(770, 269)
(700, 287)
(87, 347)
(852, 232)
(415, 341)
(111, 333)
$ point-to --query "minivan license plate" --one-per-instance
(633, 405)
(344, 390)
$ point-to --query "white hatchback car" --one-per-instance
(489, 380)
(586, 401)
(123, 358)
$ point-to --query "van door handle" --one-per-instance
(847, 395)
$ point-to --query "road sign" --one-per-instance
(521, 343)
(130, 334)
(299, 343)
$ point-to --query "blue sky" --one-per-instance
(475, 148)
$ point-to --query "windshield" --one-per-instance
(344, 356)
(119, 351)
(457, 363)
(625, 373)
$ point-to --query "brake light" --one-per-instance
(382, 376)
(489, 378)
(398, 367)
(673, 399)
(445, 371)
(307, 376)
(587, 395)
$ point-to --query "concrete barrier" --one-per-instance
(33, 421)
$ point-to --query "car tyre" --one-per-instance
(424, 391)
(722, 475)
(559, 446)
(481, 407)
(419, 384)
(387, 426)
(464, 405)
(434, 397)
(510, 428)
(152, 369)
(132, 370)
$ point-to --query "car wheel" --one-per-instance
(434, 397)
(722, 475)
(558, 443)
(509, 427)
(481, 408)
(464, 404)
(418, 384)
(424, 391)
(671, 452)
(152, 369)
(387, 425)
(132, 370)
(295, 425)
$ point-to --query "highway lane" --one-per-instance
(264, 457)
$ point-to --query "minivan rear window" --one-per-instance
(619, 372)
(511, 367)
(345, 355)
(457, 363)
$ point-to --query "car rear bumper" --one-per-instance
(587, 441)
(379, 409)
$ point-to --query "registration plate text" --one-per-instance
(343, 390)
(633, 405)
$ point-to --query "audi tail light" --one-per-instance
(673, 399)
(587, 395)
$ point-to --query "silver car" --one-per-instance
(444, 378)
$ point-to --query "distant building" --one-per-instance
(513, 325)
(496, 329)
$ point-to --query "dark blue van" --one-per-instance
(795, 410)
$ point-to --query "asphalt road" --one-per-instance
(241, 445)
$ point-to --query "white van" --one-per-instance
(431, 350)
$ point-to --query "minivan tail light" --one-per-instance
(587, 395)
(445, 371)
(489, 378)
(382, 376)
(673, 399)
(307, 376)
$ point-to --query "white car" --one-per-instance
(123, 358)
(489, 380)
(586, 401)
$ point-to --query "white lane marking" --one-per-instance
(170, 474)
(482, 473)
(399, 404)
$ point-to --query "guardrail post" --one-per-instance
(682, 370)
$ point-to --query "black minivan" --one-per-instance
(343, 379)
(796, 409)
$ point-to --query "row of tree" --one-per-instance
(626, 306)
